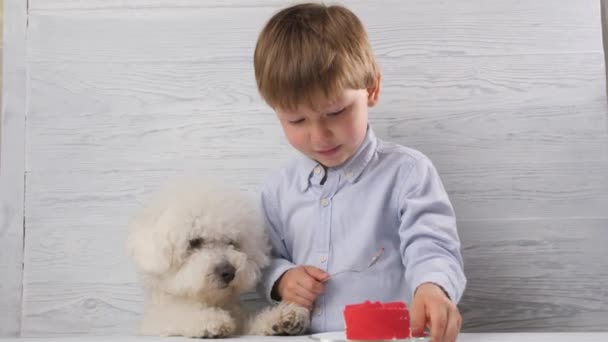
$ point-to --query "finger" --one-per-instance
(439, 321)
(453, 326)
(305, 293)
(311, 284)
(309, 304)
(299, 300)
(287, 283)
(418, 318)
(317, 273)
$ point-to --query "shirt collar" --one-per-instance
(351, 169)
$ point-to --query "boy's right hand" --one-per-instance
(301, 285)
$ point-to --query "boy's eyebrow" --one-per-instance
(336, 105)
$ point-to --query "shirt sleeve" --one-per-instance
(429, 239)
(280, 258)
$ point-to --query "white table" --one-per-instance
(470, 337)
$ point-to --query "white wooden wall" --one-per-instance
(106, 99)
(12, 166)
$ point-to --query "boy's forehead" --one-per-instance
(318, 102)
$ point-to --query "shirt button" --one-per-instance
(325, 202)
(349, 175)
(317, 311)
(323, 259)
(317, 170)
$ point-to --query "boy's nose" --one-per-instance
(320, 135)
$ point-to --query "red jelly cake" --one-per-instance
(377, 321)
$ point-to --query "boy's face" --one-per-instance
(331, 133)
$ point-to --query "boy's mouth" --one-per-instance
(329, 152)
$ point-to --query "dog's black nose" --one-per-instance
(225, 271)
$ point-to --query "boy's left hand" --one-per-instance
(432, 307)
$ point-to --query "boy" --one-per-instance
(350, 195)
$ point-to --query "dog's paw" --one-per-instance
(217, 327)
(292, 320)
(211, 323)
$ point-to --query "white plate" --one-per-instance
(340, 336)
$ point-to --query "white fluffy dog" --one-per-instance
(198, 247)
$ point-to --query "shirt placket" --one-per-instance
(324, 233)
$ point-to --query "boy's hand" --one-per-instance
(301, 285)
(432, 307)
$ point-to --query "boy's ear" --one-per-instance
(373, 92)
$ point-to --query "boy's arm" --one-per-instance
(429, 238)
(281, 258)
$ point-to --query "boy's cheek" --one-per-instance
(295, 138)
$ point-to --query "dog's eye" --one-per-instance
(196, 243)
(233, 244)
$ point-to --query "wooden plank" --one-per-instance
(477, 191)
(520, 109)
(66, 246)
(411, 85)
(94, 214)
(504, 136)
(12, 166)
(604, 14)
(181, 31)
(524, 275)
(528, 275)
(91, 308)
(111, 307)
(529, 190)
(1, 59)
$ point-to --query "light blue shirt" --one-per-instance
(385, 196)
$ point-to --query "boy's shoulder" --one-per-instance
(287, 176)
(401, 156)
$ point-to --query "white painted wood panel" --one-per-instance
(478, 191)
(535, 274)
(467, 83)
(398, 28)
(12, 167)
(507, 98)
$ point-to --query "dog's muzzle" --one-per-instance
(226, 272)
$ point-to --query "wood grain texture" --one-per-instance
(604, 15)
(528, 156)
(188, 31)
(507, 98)
(527, 275)
(430, 85)
(12, 167)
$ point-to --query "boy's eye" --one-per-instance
(295, 122)
(337, 113)
(195, 243)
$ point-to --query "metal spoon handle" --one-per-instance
(371, 263)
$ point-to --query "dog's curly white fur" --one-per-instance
(198, 247)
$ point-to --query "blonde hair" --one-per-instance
(310, 49)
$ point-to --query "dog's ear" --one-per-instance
(259, 245)
(261, 256)
(149, 243)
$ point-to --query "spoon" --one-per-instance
(371, 263)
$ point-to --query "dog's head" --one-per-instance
(199, 241)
